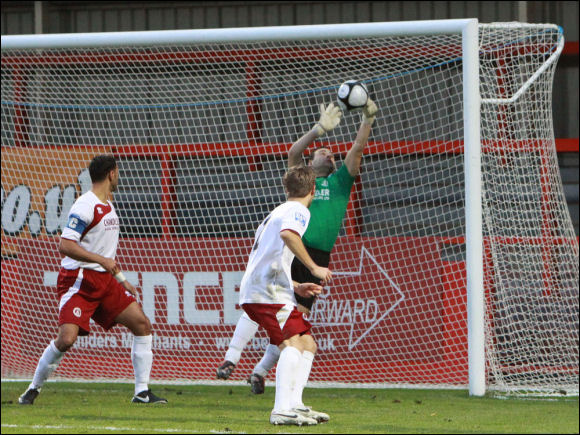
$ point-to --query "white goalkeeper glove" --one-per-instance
(329, 118)
(369, 111)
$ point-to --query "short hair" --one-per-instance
(299, 180)
(100, 167)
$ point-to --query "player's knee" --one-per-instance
(309, 344)
(148, 326)
(314, 347)
(143, 326)
(65, 341)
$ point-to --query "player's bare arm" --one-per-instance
(72, 249)
(354, 155)
(329, 118)
(124, 282)
(294, 243)
(307, 289)
(129, 287)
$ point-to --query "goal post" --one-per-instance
(456, 243)
(473, 218)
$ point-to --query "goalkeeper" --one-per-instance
(333, 188)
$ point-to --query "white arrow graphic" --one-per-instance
(352, 342)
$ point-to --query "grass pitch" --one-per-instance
(65, 407)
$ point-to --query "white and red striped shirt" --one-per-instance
(95, 226)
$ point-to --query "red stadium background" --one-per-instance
(391, 325)
(395, 311)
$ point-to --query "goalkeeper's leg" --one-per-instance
(245, 330)
(261, 370)
(268, 361)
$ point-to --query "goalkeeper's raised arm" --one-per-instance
(354, 156)
(329, 119)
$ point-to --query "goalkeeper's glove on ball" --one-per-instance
(329, 118)
(369, 111)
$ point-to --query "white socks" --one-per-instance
(287, 374)
(142, 357)
(268, 361)
(302, 378)
(47, 364)
(291, 378)
(245, 330)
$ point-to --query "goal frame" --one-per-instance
(467, 28)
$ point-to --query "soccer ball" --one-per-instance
(352, 96)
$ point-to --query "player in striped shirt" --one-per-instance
(91, 285)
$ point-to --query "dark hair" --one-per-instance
(298, 181)
(100, 167)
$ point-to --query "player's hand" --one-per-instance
(308, 289)
(110, 265)
(130, 288)
(323, 273)
(329, 118)
(369, 111)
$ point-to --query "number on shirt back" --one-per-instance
(257, 242)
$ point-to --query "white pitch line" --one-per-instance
(112, 428)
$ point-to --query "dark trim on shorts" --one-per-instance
(301, 274)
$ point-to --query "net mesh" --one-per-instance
(531, 248)
(201, 134)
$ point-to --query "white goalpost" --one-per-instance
(457, 263)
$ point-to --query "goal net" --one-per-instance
(201, 132)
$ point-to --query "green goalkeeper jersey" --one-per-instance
(327, 209)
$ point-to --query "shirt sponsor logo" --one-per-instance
(322, 195)
(299, 217)
(111, 222)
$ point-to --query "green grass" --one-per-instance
(105, 408)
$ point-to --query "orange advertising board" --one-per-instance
(39, 184)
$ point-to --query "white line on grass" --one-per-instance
(110, 428)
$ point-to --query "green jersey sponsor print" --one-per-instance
(328, 209)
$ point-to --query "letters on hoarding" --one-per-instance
(387, 296)
(39, 185)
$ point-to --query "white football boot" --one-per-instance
(307, 411)
(291, 418)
